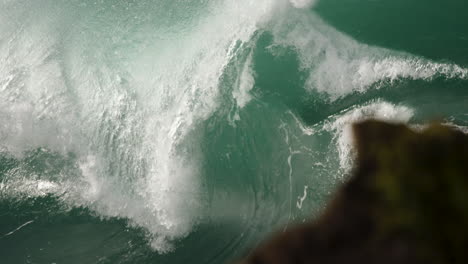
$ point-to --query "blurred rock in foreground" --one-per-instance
(406, 202)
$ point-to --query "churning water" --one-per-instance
(184, 131)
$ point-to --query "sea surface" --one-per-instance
(186, 131)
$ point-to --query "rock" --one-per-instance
(405, 202)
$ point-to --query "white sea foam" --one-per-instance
(339, 65)
(341, 125)
(128, 110)
(463, 129)
(303, 3)
(301, 199)
(245, 83)
(29, 187)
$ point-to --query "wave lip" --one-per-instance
(338, 65)
(126, 97)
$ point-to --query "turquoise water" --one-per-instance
(173, 131)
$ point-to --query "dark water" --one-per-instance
(187, 131)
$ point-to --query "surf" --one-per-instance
(180, 123)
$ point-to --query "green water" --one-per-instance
(188, 131)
